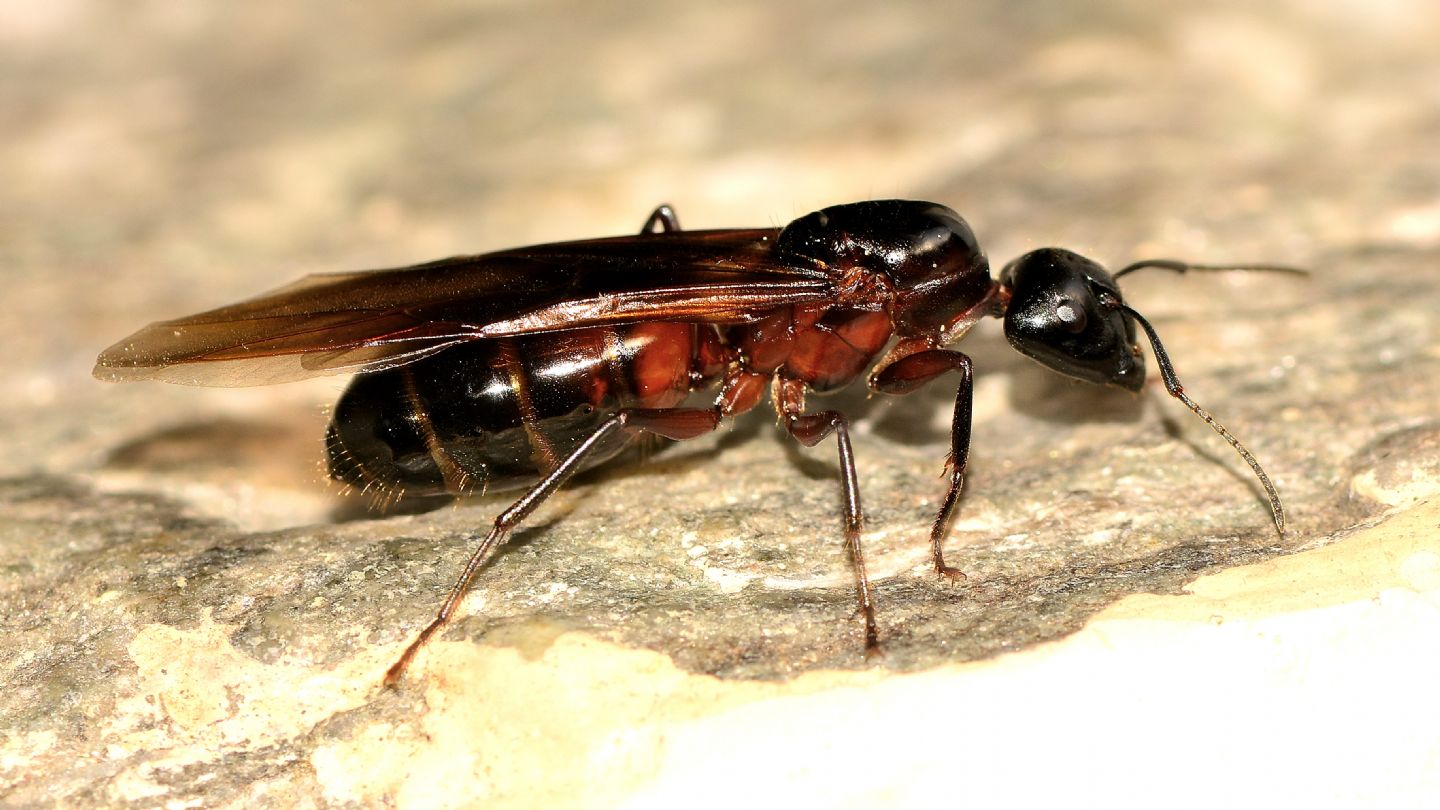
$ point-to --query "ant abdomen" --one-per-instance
(500, 414)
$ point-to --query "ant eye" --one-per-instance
(1071, 316)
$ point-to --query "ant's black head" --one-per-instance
(1066, 312)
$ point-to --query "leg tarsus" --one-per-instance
(941, 525)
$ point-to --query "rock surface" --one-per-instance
(192, 618)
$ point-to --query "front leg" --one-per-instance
(909, 373)
(809, 430)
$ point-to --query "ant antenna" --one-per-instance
(1172, 385)
(1181, 267)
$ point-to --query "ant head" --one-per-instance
(1066, 312)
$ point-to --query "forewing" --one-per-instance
(348, 322)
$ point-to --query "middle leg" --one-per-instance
(809, 430)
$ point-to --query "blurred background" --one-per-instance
(159, 158)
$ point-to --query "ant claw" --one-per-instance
(950, 572)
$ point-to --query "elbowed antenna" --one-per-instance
(1181, 267)
(1172, 385)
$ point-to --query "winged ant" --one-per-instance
(516, 369)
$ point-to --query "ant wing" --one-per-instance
(334, 323)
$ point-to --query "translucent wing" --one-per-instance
(353, 322)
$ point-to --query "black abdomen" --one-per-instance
(499, 414)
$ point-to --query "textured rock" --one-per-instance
(192, 617)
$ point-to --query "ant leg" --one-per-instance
(809, 430)
(662, 220)
(909, 373)
(672, 423)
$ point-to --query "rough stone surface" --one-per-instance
(191, 617)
